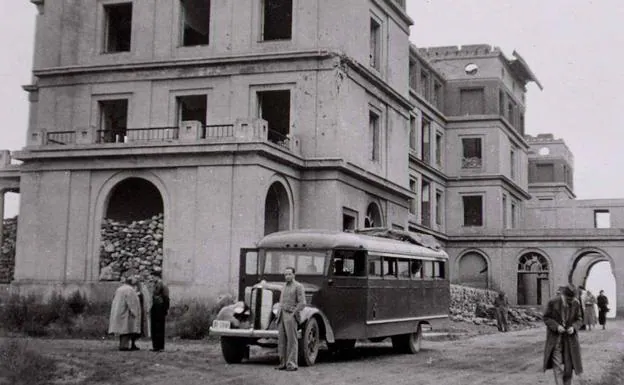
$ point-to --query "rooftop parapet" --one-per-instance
(459, 51)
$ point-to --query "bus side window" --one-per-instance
(359, 264)
(403, 267)
(438, 269)
(374, 266)
(390, 267)
(416, 269)
(428, 269)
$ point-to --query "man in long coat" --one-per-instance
(562, 352)
(125, 316)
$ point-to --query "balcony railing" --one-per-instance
(242, 130)
(61, 137)
(157, 134)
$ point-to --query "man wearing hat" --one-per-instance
(562, 352)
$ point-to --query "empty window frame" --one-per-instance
(277, 19)
(117, 27)
(425, 206)
(438, 149)
(425, 146)
(472, 101)
(195, 22)
(413, 186)
(413, 133)
(274, 107)
(473, 210)
(514, 215)
(504, 209)
(349, 219)
(192, 107)
(113, 120)
(375, 44)
(439, 211)
(544, 172)
(472, 156)
(512, 162)
(374, 128)
(602, 219)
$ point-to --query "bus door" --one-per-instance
(345, 291)
(248, 272)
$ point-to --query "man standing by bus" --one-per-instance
(292, 301)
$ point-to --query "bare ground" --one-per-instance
(497, 358)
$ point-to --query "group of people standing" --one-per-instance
(588, 308)
(137, 312)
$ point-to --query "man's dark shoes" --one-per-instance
(135, 348)
(280, 368)
(291, 369)
(124, 349)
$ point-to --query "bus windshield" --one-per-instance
(305, 262)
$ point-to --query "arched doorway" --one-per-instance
(373, 216)
(277, 209)
(132, 231)
(593, 269)
(473, 270)
(533, 279)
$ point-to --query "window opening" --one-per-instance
(425, 216)
(113, 121)
(348, 263)
(192, 107)
(413, 185)
(438, 208)
(373, 123)
(118, 27)
(375, 44)
(425, 148)
(602, 219)
(473, 210)
(274, 107)
(472, 155)
(195, 15)
(277, 20)
(533, 279)
(438, 150)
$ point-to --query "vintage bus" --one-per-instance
(357, 287)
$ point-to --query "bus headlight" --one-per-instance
(276, 308)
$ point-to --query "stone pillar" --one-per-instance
(1, 219)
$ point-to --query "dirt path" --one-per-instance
(509, 358)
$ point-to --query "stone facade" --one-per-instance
(232, 127)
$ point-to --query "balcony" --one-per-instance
(189, 132)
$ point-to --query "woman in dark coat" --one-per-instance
(562, 352)
(603, 308)
(160, 307)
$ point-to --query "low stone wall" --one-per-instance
(7, 250)
(477, 306)
(131, 248)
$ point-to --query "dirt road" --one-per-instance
(501, 358)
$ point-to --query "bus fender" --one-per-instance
(309, 312)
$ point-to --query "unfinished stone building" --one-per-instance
(210, 123)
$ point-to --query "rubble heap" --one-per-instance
(131, 248)
(477, 306)
(7, 250)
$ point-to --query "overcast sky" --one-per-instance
(573, 46)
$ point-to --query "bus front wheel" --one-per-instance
(309, 343)
(233, 349)
(408, 343)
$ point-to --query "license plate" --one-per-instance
(218, 324)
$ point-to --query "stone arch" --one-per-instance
(581, 262)
(533, 276)
(278, 206)
(473, 269)
(99, 211)
(374, 216)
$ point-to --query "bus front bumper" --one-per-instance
(243, 333)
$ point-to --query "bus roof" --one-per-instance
(325, 239)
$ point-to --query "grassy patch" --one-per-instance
(191, 319)
(21, 365)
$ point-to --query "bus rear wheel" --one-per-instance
(408, 343)
(233, 349)
(309, 343)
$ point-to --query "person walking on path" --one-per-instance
(292, 301)
(501, 306)
(125, 316)
(562, 351)
(589, 318)
(158, 314)
(603, 309)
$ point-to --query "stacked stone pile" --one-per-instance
(131, 248)
(7, 249)
(477, 306)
